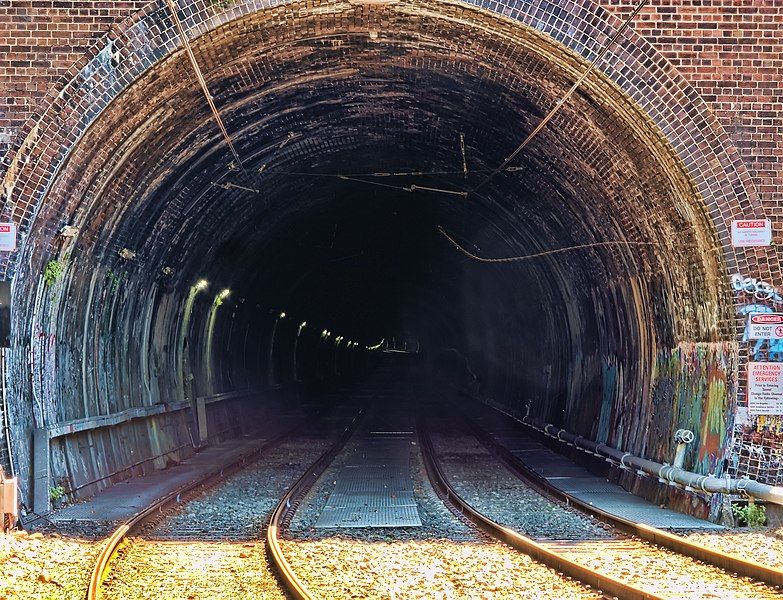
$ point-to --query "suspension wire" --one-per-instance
(204, 88)
(560, 103)
(411, 188)
(375, 183)
(538, 254)
(375, 174)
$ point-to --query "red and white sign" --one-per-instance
(7, 236)
(765, 388)
(765, 326)
(751, 232)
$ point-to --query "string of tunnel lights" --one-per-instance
(202, 284)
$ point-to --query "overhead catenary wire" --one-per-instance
(561, 102)
(508, 259)
(203, 83)
(411, 188)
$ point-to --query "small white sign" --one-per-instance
(7, 236)
(765, 326)
(751, 232)
(765, 388)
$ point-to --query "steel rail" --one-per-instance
(609, 586)
(665, 539)
(287, 506)
(103, 562)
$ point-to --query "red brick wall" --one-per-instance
(39, 41)
(731, 51)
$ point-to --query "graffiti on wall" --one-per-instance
(695, 384)
(760, 297)
(755, 448)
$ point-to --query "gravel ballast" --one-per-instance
(212, 546)
(483, 481)
(45, 566)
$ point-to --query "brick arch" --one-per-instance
(689, 136)
(581, 26)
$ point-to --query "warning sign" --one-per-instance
(7, 236)
(751, 232)
(765, 388)
(765, 326)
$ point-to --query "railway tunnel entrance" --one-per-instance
(362, 212)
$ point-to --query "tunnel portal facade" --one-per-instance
(163, 273)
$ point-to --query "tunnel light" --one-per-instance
(324, 333)
(377, 346)
(282, 315)
(303, 324)
(201, 284)
(221, 296)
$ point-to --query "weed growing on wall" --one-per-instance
(752, 514)
(56, 492)
(54, 268)
(116, 279)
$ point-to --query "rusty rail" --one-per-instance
(103, 563)
(609, 586)
(287, 506)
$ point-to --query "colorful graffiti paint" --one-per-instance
(694, 388)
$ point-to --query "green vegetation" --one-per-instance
(752, 514)
(56, 493)
(116, 279)
(54, 268)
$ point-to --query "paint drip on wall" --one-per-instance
(695, 384)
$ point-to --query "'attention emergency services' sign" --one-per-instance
(765, 388)
(751, 232)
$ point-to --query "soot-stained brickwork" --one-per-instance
(730, 51)
(675, 134)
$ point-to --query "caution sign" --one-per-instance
(7, 237)
(751, 232)
(765, 388)
(765, 326)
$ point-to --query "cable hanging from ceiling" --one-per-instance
(204, 87)
(508, 259)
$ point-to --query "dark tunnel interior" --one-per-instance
(358, 147)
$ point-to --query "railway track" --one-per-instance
(203, 530)
(443, 557)
(155, 511)
(677, 543)
(582, 559)
(616, 559)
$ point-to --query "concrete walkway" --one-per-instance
(123, 500)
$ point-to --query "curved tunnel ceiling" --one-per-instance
(337, 109)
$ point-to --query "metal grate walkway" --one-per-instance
(374, 488)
